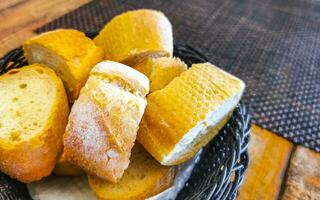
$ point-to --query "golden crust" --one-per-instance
(132, 35)
(35, 158)
(125, 76)
(141, 57)
(144, 178)
(68, 52)
(187, 100)
(160, 70)
(102, 127)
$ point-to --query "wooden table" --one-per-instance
(278, 169)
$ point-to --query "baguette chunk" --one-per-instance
(160, 71)
(144, 178)
(187, 113)
(33, 116)
(104, 120)
(69, 53)
(134, 35)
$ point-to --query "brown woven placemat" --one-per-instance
(273, 45)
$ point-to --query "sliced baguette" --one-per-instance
(160, 71)
(33, 116)
(187, 113)
(136, 34)
(144, 178)
(104, 120)
(69, 53)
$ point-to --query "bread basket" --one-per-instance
(223, 162)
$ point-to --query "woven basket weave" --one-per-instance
(222, 164)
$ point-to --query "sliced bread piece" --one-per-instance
(104, 120)
(33, 116)
(144, 178)
(187, 113)
(160, 71)
(136, 34)
(69, 53)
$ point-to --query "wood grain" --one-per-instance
(269, 155)
(10, 4)
(303, 180)
(20, 17)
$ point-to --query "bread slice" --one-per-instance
(69, 53)
(188, 112)
(104, 120)
(136, 34)
(33, 116)
(144, 178)
(161, 71)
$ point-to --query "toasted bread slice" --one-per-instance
(144, 178)
(33, 116)
(160, 71)
(136, 34)
(104, 120)
(187, 113)
(69, 53)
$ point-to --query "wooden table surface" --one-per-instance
(278, 169)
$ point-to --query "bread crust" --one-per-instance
(125, 76)
(103, 123)
(140, 57)
(133, 35)
(183, 104)
(69, 53)
(34, 159)
(160, 70)
(158, 179)
(159, 186)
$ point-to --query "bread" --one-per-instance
(136, 34)
(69, 53)
(187, 113)
(160, 71)
(33, 116)
(104, 120)
(144, 178)
(135, 59)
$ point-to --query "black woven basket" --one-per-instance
(223, 161)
